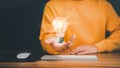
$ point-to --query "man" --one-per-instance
(89, 21)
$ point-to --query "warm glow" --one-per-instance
(60, 25)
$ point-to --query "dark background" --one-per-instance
(20, 23)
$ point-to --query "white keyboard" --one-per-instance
(69, 57)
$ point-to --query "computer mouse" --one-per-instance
(23, 55)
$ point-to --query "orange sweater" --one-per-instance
(88, 19)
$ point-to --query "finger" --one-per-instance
(80, 48)
(73, 37)
(77, 51)
(50, 40)
(54, 44)
(83, 53)
(70, 42)
(66, 45)
(74, 53)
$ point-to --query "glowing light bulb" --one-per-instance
(60, 26)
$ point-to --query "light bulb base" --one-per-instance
(60, 39)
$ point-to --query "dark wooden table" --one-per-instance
(106, 60)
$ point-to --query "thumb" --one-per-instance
(72, 38)
(70, 42)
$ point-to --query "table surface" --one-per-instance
(105, 60)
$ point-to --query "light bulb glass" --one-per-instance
(60, 26)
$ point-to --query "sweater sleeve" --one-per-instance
(112, 42)
(47, 30)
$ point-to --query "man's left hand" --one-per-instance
(85, 49)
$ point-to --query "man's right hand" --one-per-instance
(61, 46)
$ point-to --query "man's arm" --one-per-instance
(113, 26)
(48, 34)
(108, 44)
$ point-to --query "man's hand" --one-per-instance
(60, 46)
(86, 49)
